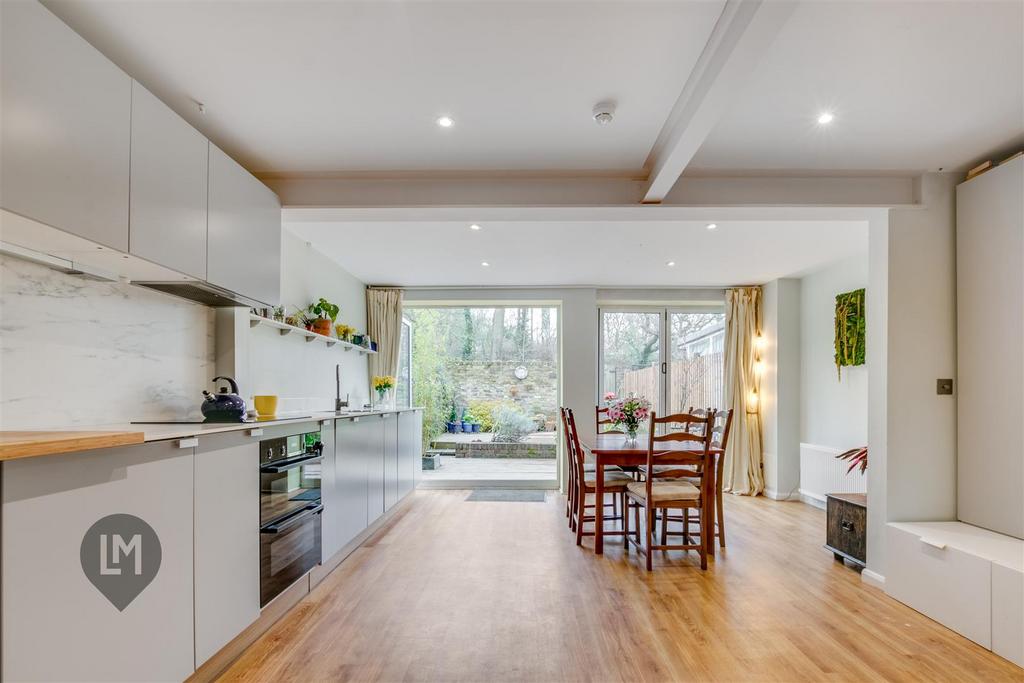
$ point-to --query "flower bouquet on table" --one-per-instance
(383, 384)
(628, 414)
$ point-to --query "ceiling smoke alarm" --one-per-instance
(604, 112)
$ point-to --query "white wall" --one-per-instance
(81, 352)
(990, 299)
(833, 411)
(911, 343)
(302, 374)
(780, 387)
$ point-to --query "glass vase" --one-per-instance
(630, 435)
(384, 399)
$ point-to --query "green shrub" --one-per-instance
(483, 412)
(511, 425)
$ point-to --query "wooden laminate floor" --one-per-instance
(464, 591)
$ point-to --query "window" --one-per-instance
(672, 357)
(403, 388)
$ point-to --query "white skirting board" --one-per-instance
(821, 473)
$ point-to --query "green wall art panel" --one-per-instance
(850, 330)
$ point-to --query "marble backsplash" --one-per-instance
(75, 351)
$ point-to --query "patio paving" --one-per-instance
(512, 469)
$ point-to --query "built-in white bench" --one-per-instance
(965, 577)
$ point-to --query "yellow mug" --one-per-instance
(265, 405)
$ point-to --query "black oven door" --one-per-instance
(289, 548)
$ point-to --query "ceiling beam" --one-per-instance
(737, 43)
(736, 189)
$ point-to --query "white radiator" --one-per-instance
(821, 473)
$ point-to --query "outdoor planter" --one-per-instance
(454, 427)
(467, 427)
(476, 427)
(431, 461)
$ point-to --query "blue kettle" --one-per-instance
(224, 406)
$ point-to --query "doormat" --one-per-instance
(506, 496)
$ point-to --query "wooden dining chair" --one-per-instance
(720, 429)
(615, 482)
(654, 494)
(571, 471)
(598, 412)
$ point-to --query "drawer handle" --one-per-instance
(934, 544)
(188, 443)
(846, 526)
(255, 432)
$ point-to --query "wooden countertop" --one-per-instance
(30, 444)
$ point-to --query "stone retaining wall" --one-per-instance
(498, 450)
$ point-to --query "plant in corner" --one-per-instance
(856, 456)
(326, 313)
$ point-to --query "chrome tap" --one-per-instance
(338, 403)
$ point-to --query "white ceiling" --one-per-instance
(913, 85)
(293, 86)
(606, 253)
(335, 86)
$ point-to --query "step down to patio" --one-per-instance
(439, 451)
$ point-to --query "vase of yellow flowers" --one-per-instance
(383, 384)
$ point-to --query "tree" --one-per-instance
(497, 333)
(467, 339)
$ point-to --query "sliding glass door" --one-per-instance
(670, 356)
(631, 353)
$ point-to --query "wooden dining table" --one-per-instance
(612, 449)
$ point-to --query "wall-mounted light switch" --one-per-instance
(944, 387)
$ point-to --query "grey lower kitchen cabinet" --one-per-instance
(59, 513)
(227, 538)
(65, 122)
(169, 158)
(410, 450)
(390, 459)
(372, 431)
(243, 232)
(331, 495)
(349, 507)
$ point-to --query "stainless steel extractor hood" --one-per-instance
(202, 292)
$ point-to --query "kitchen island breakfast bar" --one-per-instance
(134, 551)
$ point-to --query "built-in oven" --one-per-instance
(290, 511)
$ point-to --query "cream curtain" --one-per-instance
(743, 473)
(384, 325)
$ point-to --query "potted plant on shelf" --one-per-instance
(383, 384)
(279, 314)
(344, 332)
(326, 313)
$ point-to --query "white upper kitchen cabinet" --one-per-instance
(167, 219)
(244, 232)
(66, 127)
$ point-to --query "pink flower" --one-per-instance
(610, 396)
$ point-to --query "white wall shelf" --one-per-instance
(284, 328)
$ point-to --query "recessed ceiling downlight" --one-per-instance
(670, 264)
(712, 226)
(474, 227)
(445, 121)
(485, 264)
(825, 118)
